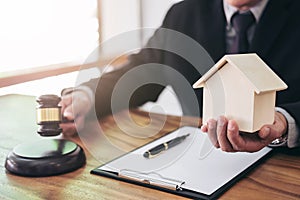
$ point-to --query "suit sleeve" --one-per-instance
(104, 88)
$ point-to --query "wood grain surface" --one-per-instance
(277, 178)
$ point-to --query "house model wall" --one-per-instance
(241, 87)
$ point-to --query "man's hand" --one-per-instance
(75, 106)
(225, 134)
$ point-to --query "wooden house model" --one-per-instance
(241, 87)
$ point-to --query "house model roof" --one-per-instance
(252, 67)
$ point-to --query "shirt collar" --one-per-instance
(257, 10)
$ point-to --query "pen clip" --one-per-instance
(151, 178)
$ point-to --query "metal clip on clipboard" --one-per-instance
(151, 178)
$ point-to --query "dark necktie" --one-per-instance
(241, 23)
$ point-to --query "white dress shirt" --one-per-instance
(257, 10)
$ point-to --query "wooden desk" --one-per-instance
(276, 178)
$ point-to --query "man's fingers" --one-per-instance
(204, 128)
(234, 136)
(264, 133)
(222, 134)
(66, 100)
(79, 123)
(212, 132)
(69, 129)
(68, 113)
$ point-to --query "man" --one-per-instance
(273, 35)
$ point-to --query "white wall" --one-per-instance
(122, 16)
(154, 12)
(118, 17)
(37, 33)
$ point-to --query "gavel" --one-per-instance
(49, 115)
(46, 157)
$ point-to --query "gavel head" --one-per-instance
(49, 115)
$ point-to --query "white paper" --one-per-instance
(195, 161)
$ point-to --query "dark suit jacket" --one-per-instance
(276, 41)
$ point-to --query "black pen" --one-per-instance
(164, 146)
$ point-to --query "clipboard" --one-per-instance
(193, 168)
